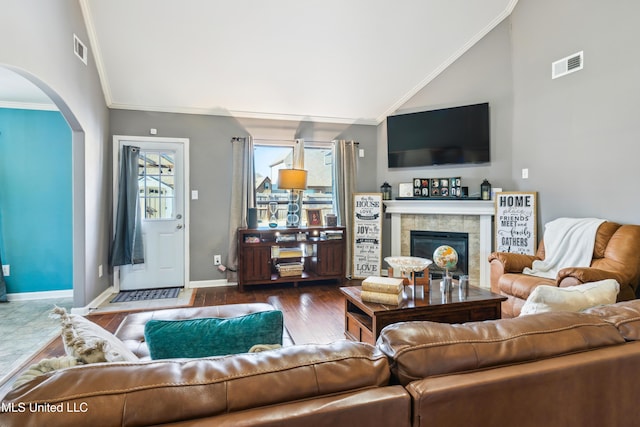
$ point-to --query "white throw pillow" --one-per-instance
(90, 343)
(114, 349)
(547, 298)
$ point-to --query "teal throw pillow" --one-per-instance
(189, 338)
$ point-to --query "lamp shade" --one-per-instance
(292, 179)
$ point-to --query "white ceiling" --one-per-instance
(18, 92)
(345, 61)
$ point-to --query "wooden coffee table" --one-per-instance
(363, 321)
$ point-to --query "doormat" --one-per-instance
(146, 294)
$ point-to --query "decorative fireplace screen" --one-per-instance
(423, 243)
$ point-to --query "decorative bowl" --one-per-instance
(407, 264)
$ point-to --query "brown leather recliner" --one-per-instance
(616, 255)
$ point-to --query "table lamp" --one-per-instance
(292, 179)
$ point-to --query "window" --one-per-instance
(156, 180)
(268, 159)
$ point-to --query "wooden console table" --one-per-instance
(262, 251)
(365, 320)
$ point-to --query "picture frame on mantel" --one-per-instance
(516, 222)
(405, 189)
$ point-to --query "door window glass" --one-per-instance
(156, 179)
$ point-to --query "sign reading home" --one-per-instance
(516, 222)
(367, 232)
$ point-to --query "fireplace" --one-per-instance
(470, 216)
(423, 243)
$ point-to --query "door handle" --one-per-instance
(179, 226)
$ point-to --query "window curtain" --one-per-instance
(127, 247)
(242, 197)
(344, 186)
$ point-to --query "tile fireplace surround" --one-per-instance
(465, 216)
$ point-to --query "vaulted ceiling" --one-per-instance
(345, 61)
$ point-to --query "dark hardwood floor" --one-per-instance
(313, 313)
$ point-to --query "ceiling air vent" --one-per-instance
(567, 65)
(80, 49)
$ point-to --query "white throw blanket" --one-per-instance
(568, 242)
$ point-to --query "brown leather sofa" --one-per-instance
(342, 383)
(552, 369)
(616, 255)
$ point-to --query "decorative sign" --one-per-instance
(367, 232)
(516, 222)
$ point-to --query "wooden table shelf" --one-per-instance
(323, 256)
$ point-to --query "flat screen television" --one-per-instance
(457, 135)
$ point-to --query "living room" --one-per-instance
(561, 130)
(576, 135)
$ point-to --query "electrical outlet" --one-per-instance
(6, 270)
(217, 260)
(100, 270)
(525, 173)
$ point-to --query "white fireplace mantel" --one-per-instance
(485, 209)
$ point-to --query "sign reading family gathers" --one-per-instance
(516, 222)
(367, 231)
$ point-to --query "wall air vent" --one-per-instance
(80, 49)
(567, 65)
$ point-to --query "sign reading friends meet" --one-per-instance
(367, 233)
(516, 222)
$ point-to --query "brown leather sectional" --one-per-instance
(552, 369)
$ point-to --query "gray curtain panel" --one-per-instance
(242, 197)
(345, 172)
(127, 245)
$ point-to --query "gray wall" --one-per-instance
(578, 134)
(38, 44)
(482, 74)
(210, 157)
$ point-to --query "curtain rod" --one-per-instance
(237, 138)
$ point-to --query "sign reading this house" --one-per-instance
(367, 233)
(516, 222)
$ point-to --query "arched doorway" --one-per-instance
(20, 83)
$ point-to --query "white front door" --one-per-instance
(162, 182)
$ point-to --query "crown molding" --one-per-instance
(245, 114)
(28, 106)
(457, 54)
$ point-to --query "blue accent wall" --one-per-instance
(36, 200)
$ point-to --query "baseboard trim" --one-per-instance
(211, 283)
(97, 301)
(83, 311)
(28, 296)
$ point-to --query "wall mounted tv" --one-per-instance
(457, 135)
